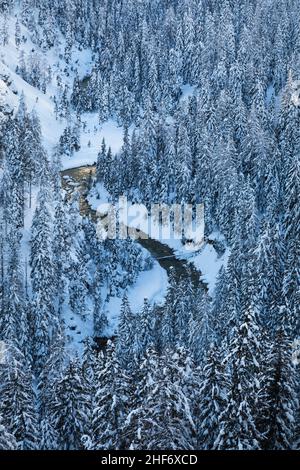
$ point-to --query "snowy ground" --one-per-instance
(92, 134)
(91, 141)
(151, 285)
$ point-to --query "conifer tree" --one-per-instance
(212, 398)
(110, 403)
(18, 401)
(72, 412)
(238, 427)
(126, 344)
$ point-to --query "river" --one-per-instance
(81, 178)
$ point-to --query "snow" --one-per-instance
(52, 129)
(91, 140)
(187, 91)
(209, 263)
(78, 329)
(151, 285)
(8, 100)
(35, 99)
(206, 260)
(296, 351)
(269, 94)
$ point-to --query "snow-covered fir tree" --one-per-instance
(169, 102)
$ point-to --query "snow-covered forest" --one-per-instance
(105, 345)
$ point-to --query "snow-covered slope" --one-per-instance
(52, 128)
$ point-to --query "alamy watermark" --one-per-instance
(162, 222)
